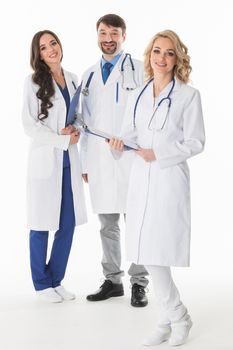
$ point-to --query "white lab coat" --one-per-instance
(108, 180)
(158, 206)
(45, 161)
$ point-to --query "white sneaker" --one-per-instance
(158, 336)
(49, 295)
(64, 294)
(180, 332)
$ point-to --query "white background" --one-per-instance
(205, 27)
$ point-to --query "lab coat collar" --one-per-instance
(115, 73)
(177, 84)
(113, 61)
(71, 88)
(148, 95)
(167, 88)
(69, 82)
(165, 91)
(58, 94)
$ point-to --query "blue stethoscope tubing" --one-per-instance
(130, 60)
(160, 102)
(85, 90)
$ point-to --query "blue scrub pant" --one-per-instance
(51, 274)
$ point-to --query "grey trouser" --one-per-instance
(111, 261)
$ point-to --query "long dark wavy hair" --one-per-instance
(42, 74)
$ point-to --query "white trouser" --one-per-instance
(171, 309)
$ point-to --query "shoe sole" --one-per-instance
(113, 295)
(138, 305)
(45, 300)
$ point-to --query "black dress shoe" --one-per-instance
(107, 290)
(138, 297)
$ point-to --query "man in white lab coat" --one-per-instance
(106, 88)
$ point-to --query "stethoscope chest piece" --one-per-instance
(85, 91)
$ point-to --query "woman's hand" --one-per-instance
(116, 144)
(147, 154)
(68, 130)
(74, 137)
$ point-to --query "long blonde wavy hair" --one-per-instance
(182, 68)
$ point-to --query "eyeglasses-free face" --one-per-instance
(50, 50)
(110, 39)
(163, 56)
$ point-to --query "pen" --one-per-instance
(117, 92)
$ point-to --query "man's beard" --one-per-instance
(110, 50)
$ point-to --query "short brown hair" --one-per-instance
(112, 20)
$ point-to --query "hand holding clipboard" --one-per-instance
(74, 117)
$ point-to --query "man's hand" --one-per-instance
(147, 154)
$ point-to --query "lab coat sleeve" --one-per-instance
(172, 153)
(75, 80)
(35, 128)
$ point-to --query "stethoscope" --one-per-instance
(85, 90)
(126, 85)
(168, 105)
(130, 85)
(73, 83)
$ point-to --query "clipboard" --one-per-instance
(73, 115)
(73, 105)
(128, 145)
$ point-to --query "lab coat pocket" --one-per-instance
(121, 95)
(41, 162)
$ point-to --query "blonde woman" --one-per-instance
(165, 119)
